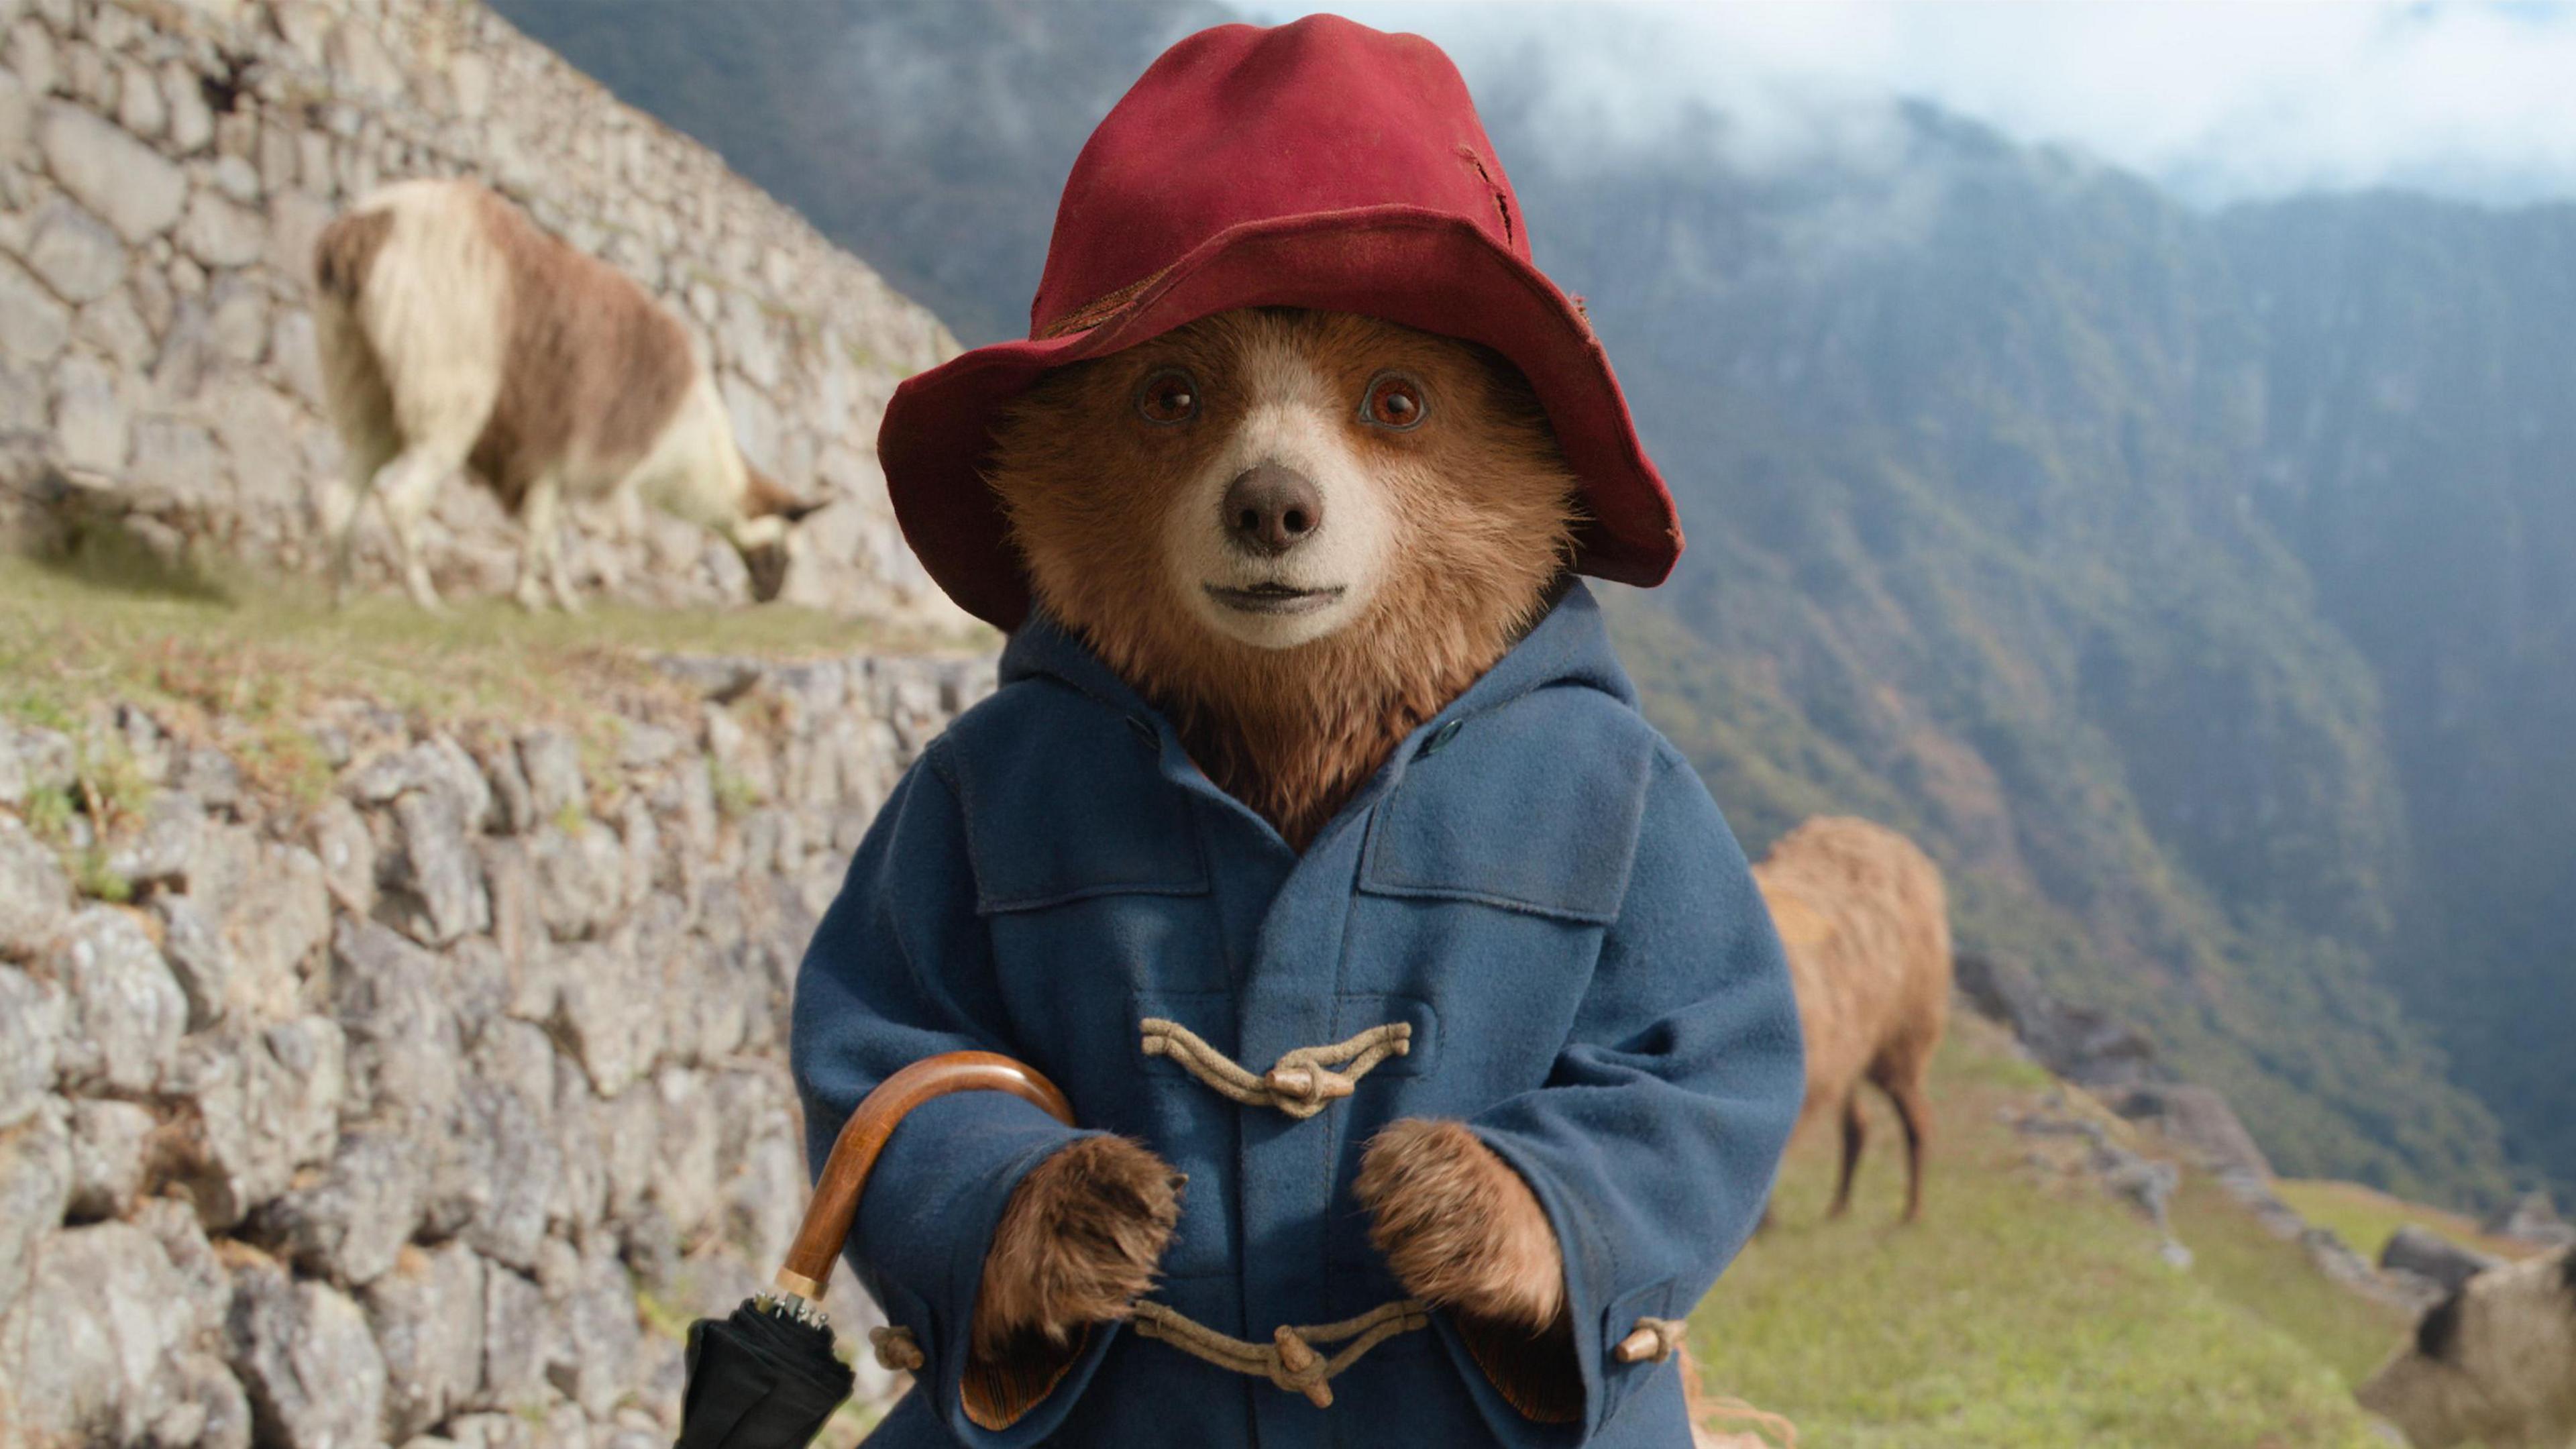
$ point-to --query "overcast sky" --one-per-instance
(2219, 101)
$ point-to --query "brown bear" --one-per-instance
(1172, 503)
(1431, 1048)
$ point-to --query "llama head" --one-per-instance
(760, 536)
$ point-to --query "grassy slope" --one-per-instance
(260, 653)
(2028, 1308)
(2286, 1023)
(119, 611)
(2366, 1218)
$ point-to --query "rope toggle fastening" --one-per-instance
(1290, 1359)
(1302, 1083)
(1652, 1341)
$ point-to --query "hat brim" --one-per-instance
(1420, 268)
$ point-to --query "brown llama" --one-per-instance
(1866, 924)
(457, 338)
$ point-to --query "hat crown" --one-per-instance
(1242, 124)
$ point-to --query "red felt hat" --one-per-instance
(1320, 164)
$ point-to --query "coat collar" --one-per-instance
(1570, 645)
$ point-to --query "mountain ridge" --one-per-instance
(2034, 512)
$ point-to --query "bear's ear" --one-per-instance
(2439, 1329)
(2567, 1275)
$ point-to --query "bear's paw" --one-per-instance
(1459, 1226)
(1077, 1243)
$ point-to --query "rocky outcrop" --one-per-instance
(2124, 1081)
(2441, 1263)
(2198, 1119)
(2115, 1060)
(2066, 1133)
(2078, 1043)
(2531, 1218)
(164, 168)
(430, 1103)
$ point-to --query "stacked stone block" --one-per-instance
(165, 166)
(424, 1111)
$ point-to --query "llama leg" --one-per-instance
(367, 452)
(540, 516)
(1855, 1135)
(407, 487)
(342, 530)
(1914, 1111)
(558, 574)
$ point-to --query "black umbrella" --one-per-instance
(767, 1377)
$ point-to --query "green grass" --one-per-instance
(257, 654)
(2273, 1280)
(2027, 1308)
(2366, 1218)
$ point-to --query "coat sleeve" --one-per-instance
(1655, 1141)
(900, 969)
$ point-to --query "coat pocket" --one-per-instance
(1488, 819)
(1049, 829)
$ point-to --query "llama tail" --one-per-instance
(1762, 1428)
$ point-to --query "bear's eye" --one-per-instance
(1168, 395)
(1395, 401)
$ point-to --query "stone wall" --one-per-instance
(431, 1101)
(164, 168)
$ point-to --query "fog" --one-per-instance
(2216, 102)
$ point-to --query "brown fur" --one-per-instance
(346, 252)
(768, 498)
(2493, 1363)
(1483, 497)
(1484, 504)
(1458, 1226)
(1866, 923)
(592, 364)
(767, 563)
(1077, 1244)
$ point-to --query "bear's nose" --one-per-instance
(1271, 508)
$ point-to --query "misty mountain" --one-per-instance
(2197, 586)
(2418, 453)
(928, 136)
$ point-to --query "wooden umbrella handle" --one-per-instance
(854, 1152)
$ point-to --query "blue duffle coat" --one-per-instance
(1536, 882)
